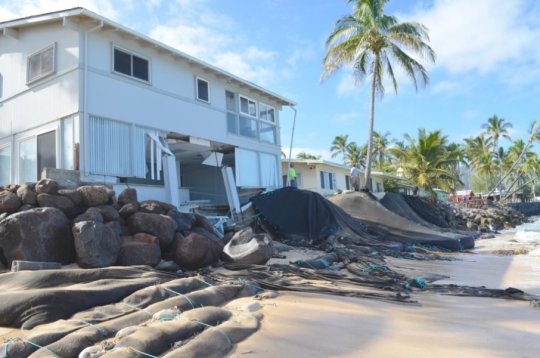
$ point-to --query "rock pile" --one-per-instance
(490, 217)
(90, 226)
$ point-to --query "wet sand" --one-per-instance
(312, 325)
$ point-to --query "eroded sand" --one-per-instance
(311, 325)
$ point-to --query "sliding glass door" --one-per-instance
(35, 154)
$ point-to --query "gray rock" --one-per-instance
(109, 212)
(9, 202)
(128, 209)
(196, 251)
(184, 221)
(91, 214)
(155, 207)
(115, 226)
(95, 195)
(128, 196)
(27, 194)
(139, 252)
(96, 244)
(248, 248)
(40, 234)
(25, 207)
(158, 225)
(47, 186)
(73, 195)
(55, 201)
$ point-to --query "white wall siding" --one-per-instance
(109, 147)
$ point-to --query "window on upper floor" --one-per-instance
(41, 64)
(243, 118)
(131, 65)
(203, 89)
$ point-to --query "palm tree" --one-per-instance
(380, 148)
(307, 156)
(495, 129)
(354, 154)
(427, 162)
(339, 145)
(371, 42)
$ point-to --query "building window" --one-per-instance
(35, 154)
(244, 120)
(379, 187)
(248, 106)
(40, 64)
(347, 182)
(5, 165)
(328, 180)
(131, 65)
(203, 90)
(266, 113)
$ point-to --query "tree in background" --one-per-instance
(380, 149)
(355, 154)
(339, 145)
(307, 156)
(373, 42)
(427, 162)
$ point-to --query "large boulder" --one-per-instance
(141, 249)
(27, 194)
(9, 202)
(40, 234)
(128, 196)
(96, 244)
(47, 186)
(158, 225)
(196, 251)
(73, 195)
(184, 221)
(248, 248)
(155, 207)
(95, 195)
(109, 212)
(128, 209)
(203, 222)
(55, 201)
(91, 214)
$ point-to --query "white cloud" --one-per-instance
(347, 87)
(445, 87)
(482, 36)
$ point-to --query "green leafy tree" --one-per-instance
(427, 162)
(307, 156)
(339, 145)
(373, 42)
(380, 149)
(354, 154)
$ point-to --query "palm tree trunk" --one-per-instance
(370, 136)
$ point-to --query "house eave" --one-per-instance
(13, 25)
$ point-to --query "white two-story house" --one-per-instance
(81, 92)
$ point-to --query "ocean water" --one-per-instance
(527, 234)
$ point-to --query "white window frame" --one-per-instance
(269, 107)
(197, 79)
(43, 75)
(8, 143)
(256, 116)
(131, 53)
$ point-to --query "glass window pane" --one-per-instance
(252, 109)
(122, 62)
(262, 111)
(28, 160)
(5, 165)
(270, 115)
(268, 133)
(67, 142)
(46, 151)
(248, 127)
(33, 67)
(47, 61)
(231, 101)
(232, 123)
(244, 105)
(202, 90)
(140, 68)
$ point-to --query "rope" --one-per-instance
(137, 308)
(420, 282)
(219, 330)
(203, 281)
(180, 294)
(242, 281)
(16, 339)
(101, 330)
(374, 267)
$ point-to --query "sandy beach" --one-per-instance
(312, 325)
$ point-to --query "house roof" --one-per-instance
(340, 166)
(8, 28)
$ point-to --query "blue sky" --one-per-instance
(488, 60)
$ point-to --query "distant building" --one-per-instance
(81, 92)
(326, 177)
